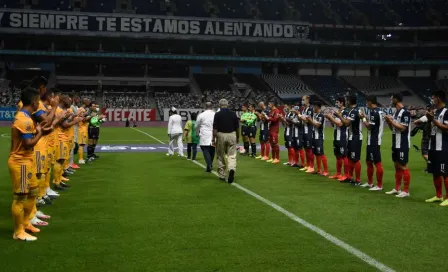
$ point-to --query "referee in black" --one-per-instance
(226, 136)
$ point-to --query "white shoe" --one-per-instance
(40, 202)
(37, 222)
(41, 215)
(168, 154)
(393, 192)
(180, 155)
(376, 188)
(287, 163)
(81, 162)
(50, 192)
(403, 195)
(366, 185)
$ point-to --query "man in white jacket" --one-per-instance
(175, 130)
(204, 128)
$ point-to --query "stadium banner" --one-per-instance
(106, 24)
(120, 115)
(7, 113)
(388, 111)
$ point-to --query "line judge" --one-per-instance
(226, 134)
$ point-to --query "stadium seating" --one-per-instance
(423, 87)
(261, 91)
(287, 86)
(329, 87)
(372, 84)
(181, 98)
(125, 98)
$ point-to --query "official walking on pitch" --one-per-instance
(226, 134)
(175, 130)
(204, 129)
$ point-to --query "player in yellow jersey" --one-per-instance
(62, 144)
(45, 119)
(24, 136)
(83, 127)
(70, 132)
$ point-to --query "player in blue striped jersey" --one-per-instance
(339, 139)
(399, 123)
(374, 122)
(354, 125)
(438, 147)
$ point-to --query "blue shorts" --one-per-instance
(400, 155)
(373, 153)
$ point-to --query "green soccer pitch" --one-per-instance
(149, 212)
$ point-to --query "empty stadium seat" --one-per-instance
(287, 86)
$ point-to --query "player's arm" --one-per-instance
(442, 125)
(316, 123)
(274, 118)
(368, 122)
(345, 121)
(400, 126)
(71, 122)
(334, 121)
(27, 136)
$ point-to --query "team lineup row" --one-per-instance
(304, 140)
(46, 130)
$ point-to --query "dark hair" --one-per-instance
(194, 116)
(352, 100)
(398, 97)
(317, 104)
(38, 81)
(48, 93)
(340, 99)
(28, 96)
(441, 95)
(372, 99)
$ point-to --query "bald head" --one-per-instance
(261, 105)
(208, 105)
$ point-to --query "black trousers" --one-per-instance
(192, 148)
(209, 155)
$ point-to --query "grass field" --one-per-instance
(149, 212)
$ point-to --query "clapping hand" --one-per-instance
(430, 115)
(362, 115)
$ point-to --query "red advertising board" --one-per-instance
(120, 115)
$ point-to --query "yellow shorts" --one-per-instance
(40, 161)
(62, 151)
(22, 175)
(82, 137)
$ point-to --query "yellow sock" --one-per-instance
(42, 187)
(17, 215)
(47, 179)
(57, 172)
(65, 164)
(28, 207)
(81, 152)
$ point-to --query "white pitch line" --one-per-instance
(354, 251)
(148, 135)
